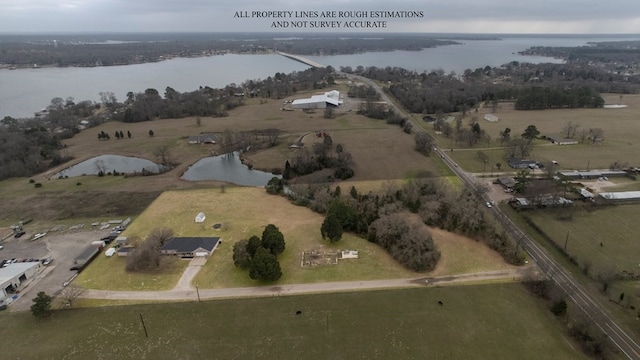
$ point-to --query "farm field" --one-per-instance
(243, 212)
(498, 321)
(605, 236)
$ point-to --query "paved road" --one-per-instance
(191, 293)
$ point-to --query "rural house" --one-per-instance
(187, 247)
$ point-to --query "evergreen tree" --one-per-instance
(264, 266)
(273, 240)
(253, 244)
(41, 306)
(129, 134)
(151, 133)
(331, 228)
(287, 174)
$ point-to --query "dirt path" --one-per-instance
(182, 293)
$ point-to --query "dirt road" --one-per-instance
(181, 293)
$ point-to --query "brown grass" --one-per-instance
(620, 126)
(244, 212)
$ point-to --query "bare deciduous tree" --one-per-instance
(70, 294)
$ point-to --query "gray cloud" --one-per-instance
(498, 16)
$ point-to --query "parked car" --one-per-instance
(19, 234)
(47, 261)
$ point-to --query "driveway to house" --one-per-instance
(182, 292)
(195, 264)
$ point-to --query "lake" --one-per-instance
(25, 91)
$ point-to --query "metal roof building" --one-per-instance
(330, 98)
(12, 276)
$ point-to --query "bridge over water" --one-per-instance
(302, 59)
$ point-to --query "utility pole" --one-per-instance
(198, 292)
(566, 241)
(144, 326)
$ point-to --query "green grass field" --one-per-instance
(500, 321)
(612, 226)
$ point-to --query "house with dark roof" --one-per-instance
(521, 164)
(188, 247)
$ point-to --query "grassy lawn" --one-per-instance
(244, 212)
(108, 273)
(499, 321)
(610, 226)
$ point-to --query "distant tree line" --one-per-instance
(123, 49)
(615, 56)
(568, 86)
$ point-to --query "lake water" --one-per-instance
(25, 91)
(227, 168)
(109, 163)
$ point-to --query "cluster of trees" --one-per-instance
(259, 255)
(118, 134)
(147, 256)
(27, 148)
(324, 155)
(409, 244)
(382, 218)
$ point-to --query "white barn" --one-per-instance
(330, 98)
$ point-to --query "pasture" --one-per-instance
(498, 321)
(243, 212)
(620, 127)
(604, 236)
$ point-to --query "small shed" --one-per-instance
(125, 251)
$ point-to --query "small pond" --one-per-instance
(227, 168)
(109, 163)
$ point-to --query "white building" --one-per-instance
(14, 275)
(330, 98)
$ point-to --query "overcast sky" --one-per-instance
(458, 16)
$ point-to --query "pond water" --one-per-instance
(227, 168)
(109, 163)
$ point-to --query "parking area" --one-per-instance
(62, 247)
